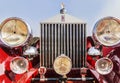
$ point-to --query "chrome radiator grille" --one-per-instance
(68, 39)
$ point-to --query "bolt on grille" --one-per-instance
(57, 39)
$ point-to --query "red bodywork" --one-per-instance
(7, 76)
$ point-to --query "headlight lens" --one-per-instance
(62, 65)
(107, 31)
(104, 66)
(19, 65)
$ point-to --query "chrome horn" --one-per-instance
(19, 65)
(30, 51)
(104, 66)
(93, 51)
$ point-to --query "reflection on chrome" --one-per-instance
(107, 31)
(30, 51)
(14, 32)
(94, 51)
(19, 65)
(104, 66)
(62, 64)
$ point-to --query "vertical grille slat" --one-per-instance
(70, 36)
(40, 44)
(73, 44)
(79, 44)
(54, 43)
(49, 45)
(76, 36)
(65, 46)
(55, 39)
(76, 46)
(59, 39)
(68, 39)
(63, 38)
(84, 45)
(45, 44)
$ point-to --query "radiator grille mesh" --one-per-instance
(68, 39)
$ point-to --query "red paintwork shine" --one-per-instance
(3, 66)
(5, 71)
(105, 50)
(7, 76)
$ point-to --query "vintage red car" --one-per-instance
(62, 53)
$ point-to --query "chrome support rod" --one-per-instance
(67, 79)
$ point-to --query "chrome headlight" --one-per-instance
(107, 31)
(19, 65)
(62, 65)
(104, 66)
(14, 32)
